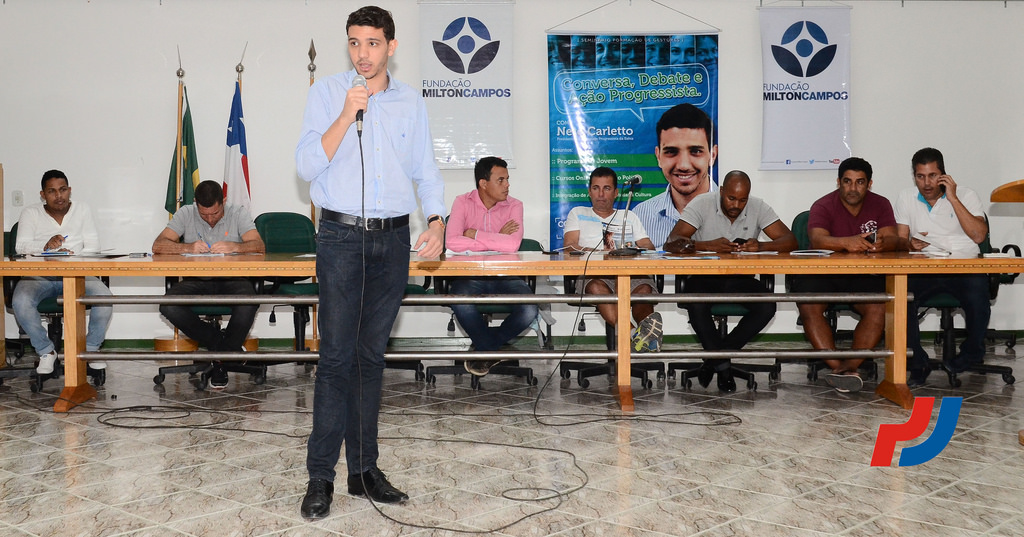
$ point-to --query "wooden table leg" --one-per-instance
(622, 329)
(76, 384)
(894, 387)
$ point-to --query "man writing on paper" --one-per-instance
(729, 221)
(488, 219)
(597, 228)
(57, 225)
(950, 220)
(848, 219)
(208, 226)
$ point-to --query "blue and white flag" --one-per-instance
(236, 163)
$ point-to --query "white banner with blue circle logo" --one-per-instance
(466, 71)
(806, 67)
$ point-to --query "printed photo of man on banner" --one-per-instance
(606, 96)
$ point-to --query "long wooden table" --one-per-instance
(894, 266)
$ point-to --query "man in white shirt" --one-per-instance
(60, 227)
(940, 216)
(596, 228)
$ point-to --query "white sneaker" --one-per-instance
(46, 362)
(98, 365)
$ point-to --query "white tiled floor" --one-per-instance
(789, 459)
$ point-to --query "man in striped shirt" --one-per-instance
(685, 155)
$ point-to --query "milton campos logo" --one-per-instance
(920, 416)
(804, 50)
(466, 46)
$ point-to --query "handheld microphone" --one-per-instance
(359, 80)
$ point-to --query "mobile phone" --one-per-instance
(942, 188)
(575, 252)
(871, 238)
(739, 241)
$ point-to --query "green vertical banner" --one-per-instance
(606, 94)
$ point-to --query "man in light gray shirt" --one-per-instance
(729, 221)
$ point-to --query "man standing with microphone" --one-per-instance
(366, 182)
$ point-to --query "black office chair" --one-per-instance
(17, 346)
(721, 313)
(586, 370)
(508, 367)
(53, 312)
(947, 305)
(868, 368)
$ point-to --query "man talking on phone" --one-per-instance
(939, 217)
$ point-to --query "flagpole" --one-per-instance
(177, 147)
(314, 343)
(312, 79)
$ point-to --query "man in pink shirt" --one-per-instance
(487, 219)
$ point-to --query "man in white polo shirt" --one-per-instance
(942, 217)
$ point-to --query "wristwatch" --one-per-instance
(435, 218)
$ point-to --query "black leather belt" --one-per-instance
(368, 224)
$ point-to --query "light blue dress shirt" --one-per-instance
(397, 150)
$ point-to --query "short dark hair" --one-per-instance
(684, 116)
(926, 155)
(209, 193)
(375, 17)
(603, 171)
(52, 174)
(856, 164)
(483, 167)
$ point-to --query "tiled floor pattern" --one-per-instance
(789, 459)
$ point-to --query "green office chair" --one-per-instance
(509, 367)
(289, 233)
(868, 368)
(721, 313)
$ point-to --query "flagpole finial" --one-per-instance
(180, 72)
(312, 57)
(239, 68)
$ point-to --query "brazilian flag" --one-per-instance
(189, 163)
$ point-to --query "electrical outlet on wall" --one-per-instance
(17, 198)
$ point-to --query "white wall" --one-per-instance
(89, 87)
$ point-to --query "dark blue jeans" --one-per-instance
(488, 338)
(971, 290)
(362, 276)
(206, 334)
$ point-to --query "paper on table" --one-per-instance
(811, 252)
(766, 252)
(471, 252)
(206, 254)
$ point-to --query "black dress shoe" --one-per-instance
(317, 503)
(725, 381)
(918, 376)
(704, 375)
(373, 484)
